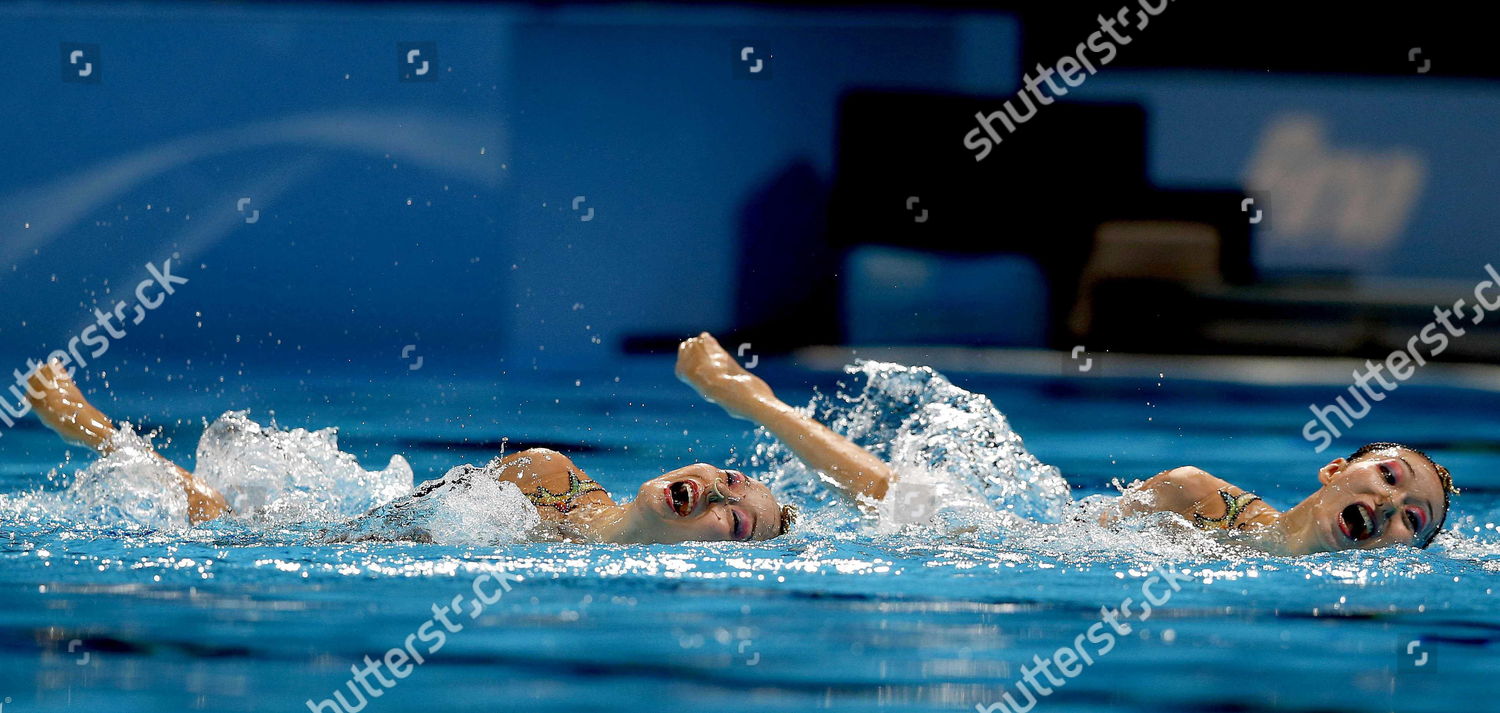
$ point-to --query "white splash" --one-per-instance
(131, 487)
(959, 462)
(269, 476)
(278, 477)
(466, 506)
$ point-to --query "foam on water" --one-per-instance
(284, 479)
(1473, 537)
(273, 476)
(959, 461)
(129, 488)
(468, 505)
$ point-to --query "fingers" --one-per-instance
(703, 339)
(53, 373)
(48, 377)
(685, 356)
(689, 348)
(694, 350)
(705, 365)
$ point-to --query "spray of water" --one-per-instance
(958, 460)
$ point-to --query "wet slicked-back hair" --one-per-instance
(1444, 479)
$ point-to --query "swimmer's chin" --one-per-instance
(643, 521)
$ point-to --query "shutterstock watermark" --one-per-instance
(113, 323)
(1101, 636)
(1070, 68)
(398, 660)
(1401, 364)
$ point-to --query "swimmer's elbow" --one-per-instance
(535, 456)
(536, 463)
(1177, 490)
(1183, 478)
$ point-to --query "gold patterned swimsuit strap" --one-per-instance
(564, 502)
(1234, 506)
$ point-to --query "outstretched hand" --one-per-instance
(714, 373)
(704, 365)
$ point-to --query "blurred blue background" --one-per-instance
(573, 183)
(571, 178)
(434, 261)
(436, 213)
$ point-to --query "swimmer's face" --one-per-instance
(1387, 497)
(705, 503)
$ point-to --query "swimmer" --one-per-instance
(699, 502)
(1383, 494)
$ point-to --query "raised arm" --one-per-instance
(715, 375)
(60, 404)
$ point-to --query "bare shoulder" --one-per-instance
(1211, 503)
(533, 463)
(1181, 490)
(551, 480)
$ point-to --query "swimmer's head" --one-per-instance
(1382, 494)
(704, 503)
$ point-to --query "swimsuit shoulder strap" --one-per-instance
(1234, 507)
(565, 501)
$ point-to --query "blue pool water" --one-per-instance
(837, 616)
